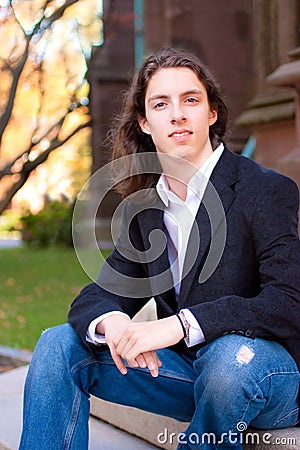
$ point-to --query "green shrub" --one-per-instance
(51, 226)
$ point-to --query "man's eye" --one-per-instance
(159, 105)
(191, 100)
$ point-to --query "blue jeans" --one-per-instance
(233, 382)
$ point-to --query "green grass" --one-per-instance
(37, 287)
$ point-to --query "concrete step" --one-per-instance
(141, 430)
(102, 435)
(165, 432)
(158, 430)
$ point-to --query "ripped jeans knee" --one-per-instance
(247, 378)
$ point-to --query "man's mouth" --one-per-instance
(180, 133)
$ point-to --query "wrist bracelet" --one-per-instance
(184, 324)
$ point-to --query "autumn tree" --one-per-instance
(43, 96)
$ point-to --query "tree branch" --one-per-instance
(16, 17)
(17, 71)
(29, 166)
(7, 170)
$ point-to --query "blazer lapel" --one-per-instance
(208, 235)
(151, 222)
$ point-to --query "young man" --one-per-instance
(224, 352)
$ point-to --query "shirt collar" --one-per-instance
(195, 185)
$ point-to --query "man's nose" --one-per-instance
(177, 115)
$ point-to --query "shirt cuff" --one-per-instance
(92, 336)
(196, 335)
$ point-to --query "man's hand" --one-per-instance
(113, 327)
(142, 337)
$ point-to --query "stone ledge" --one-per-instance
(13, 357)
(266, 114)
(158, 429)
(136, 424)
(139, 423)
(11, 400)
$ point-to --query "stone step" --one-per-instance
(165, 432)
(113, 426)
(102, 435)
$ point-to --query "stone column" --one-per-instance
(288, 76)
(112, 65)
(271, 114)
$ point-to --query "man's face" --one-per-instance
(178, 115)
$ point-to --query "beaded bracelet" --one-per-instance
(184, 324)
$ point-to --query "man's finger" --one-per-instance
(141, 361)
(152, 362)
(118, 360)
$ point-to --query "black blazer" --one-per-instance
(254, 290)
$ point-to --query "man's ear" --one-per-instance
(212, 116)
(143, 123)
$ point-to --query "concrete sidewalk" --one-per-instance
(102, 435)
(10, 243)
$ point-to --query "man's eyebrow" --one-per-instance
(157, 97)
(195, 91)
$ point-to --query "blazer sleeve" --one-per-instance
(122, 284)
(275, 312)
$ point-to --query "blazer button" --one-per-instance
(248, 333)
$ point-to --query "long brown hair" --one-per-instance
(129, 139)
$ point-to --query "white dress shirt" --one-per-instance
(178, 218)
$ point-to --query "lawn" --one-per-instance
(37, 287)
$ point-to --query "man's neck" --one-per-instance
(178, 187)
(178, 173)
